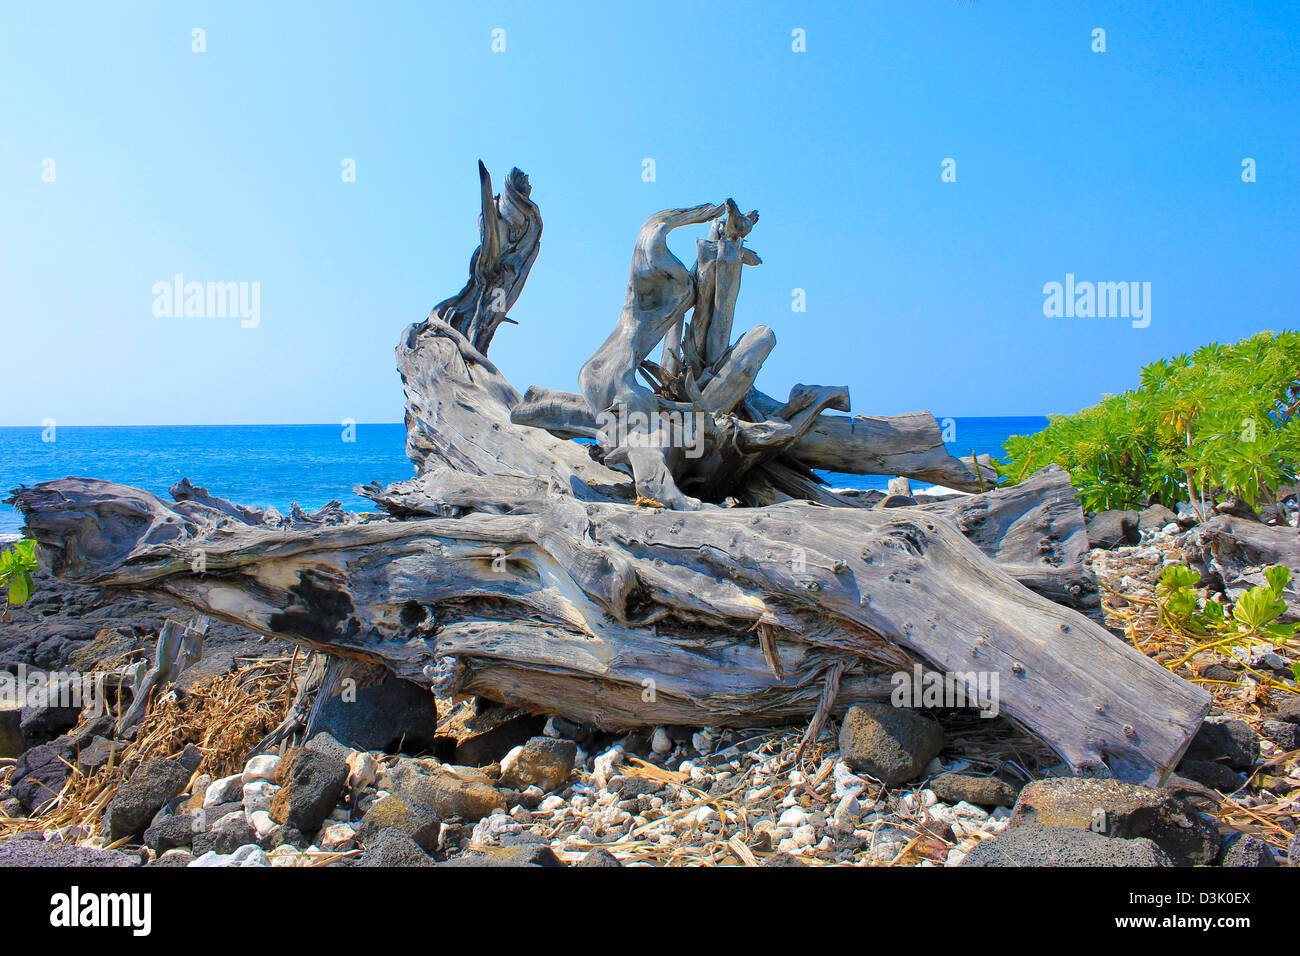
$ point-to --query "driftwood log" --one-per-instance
(685, 567)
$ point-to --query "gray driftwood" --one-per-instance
(623, 616)
(522, 566)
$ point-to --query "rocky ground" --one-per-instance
(494, 786)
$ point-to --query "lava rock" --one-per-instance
(57, 710)
(110, 646)
(227, 835)
(1275, 784)
(784, 859)
(1237, 508)
(98, 753)
(38, 775)
(544, 762)
(392, 848)
(451, 791)
(177, 857)
(386, 716)
(167, 832)
(1214, 775)
(1288, 708)
(889, 743)
(635, 785)
(1244, 850)
(1283, 733)
(154, 782)
(1155, 517)
(1031, 844)
(1120, 810)
(411, 817)
(1219, 672)
(11, 734)
(315, 781)
(523, 854)
(600, 857)
(53, 853)
(1225, 740)
(569, 730)
(190, 757)
(482, 739)
(207, 817)
(981, 791)
(1110, 529)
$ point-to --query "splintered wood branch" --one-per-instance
(510, 232)
(180, 647)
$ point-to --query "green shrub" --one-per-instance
(1221, 419)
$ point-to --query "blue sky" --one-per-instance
(225, 166)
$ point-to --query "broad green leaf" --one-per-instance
(1277, 578)
(1257, 607)
(1177, 576)
(20, 588)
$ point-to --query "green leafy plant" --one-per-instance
(1221, 419)
(1254, 617)
(16, 566)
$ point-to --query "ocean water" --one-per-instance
(309, 464)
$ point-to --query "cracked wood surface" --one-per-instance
(622, 616)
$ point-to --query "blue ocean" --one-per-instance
(309, 464)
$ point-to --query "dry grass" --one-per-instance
(223, 717)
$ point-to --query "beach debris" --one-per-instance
(180, 646)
